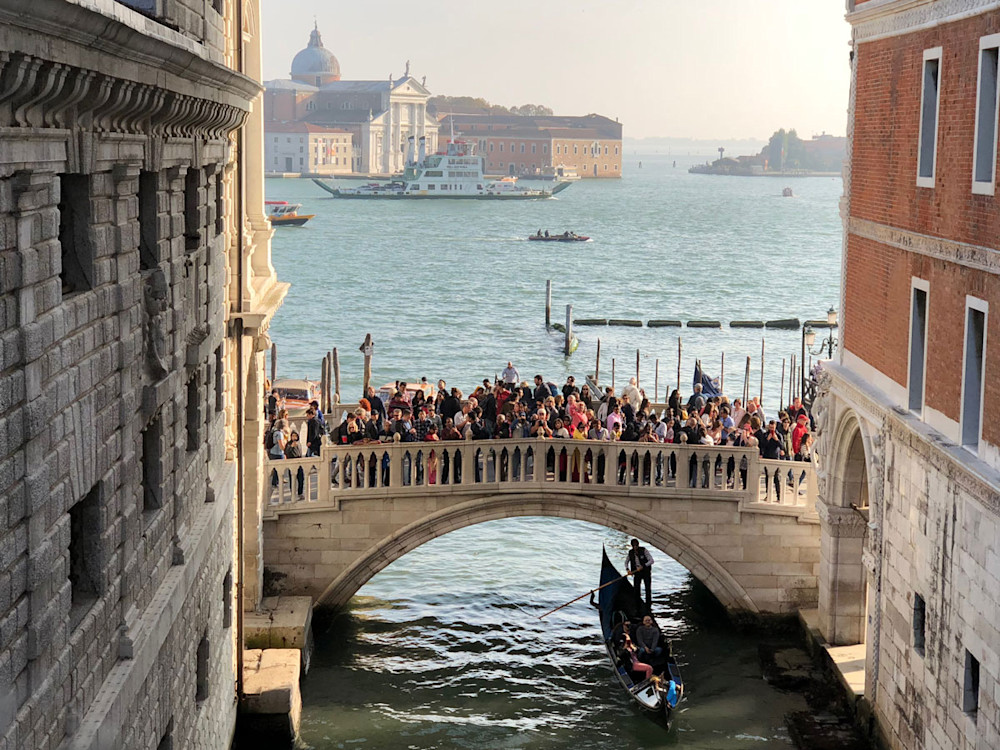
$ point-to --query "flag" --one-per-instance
(709, 386)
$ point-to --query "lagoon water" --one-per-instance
(443, 649)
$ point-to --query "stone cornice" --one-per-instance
(841, 522)
(116, 39)
(971, 256)
(878, 19)
(38, 93)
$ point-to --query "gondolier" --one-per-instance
(640, 564)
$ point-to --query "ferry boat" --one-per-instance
(285, 214)
(457, 172)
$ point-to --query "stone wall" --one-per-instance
(117, 514)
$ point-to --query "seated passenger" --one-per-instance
(629, 653)
(647, 637)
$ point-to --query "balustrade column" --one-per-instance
(395, 452)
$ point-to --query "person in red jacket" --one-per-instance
(800, 430)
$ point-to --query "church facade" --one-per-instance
(379, 115)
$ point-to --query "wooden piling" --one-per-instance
(274, 362)
(548, 303)
(781, 393)
(612, 373)
(678, 363)
(568, 346)
(329, 380)
(597, 365)
(324, 381)
(761, 397)
(367, 348)
(336, 376)
(656, 382)
(636, 368)
(746, 383)
(722, 374)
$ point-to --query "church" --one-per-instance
(379, 115)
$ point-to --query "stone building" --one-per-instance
(305, 148)
(523, 145)
(135, 293)
(380, 115)
(910, 413)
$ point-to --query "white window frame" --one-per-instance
(925, 287)
(982, 187)
(930, 54)
(973, 303)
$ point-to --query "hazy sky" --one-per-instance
(701, 68)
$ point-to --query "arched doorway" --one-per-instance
(843, 585)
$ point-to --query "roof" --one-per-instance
(356, 87)
(315, 58)
(595, 125)
(299, 127)
(331, 117)
(284, 83)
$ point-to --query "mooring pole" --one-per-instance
(336, 376)
(324, 385)
(722, 374)
(274, 363)
(548, 303)
(762, 369)
(656, 383)
(746, 383)
(367, 348)
(678, 364)
(597, 367)
(567, 350)
(781, 393)
(636, 368)
(612, 373)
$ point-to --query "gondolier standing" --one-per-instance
(640, 563)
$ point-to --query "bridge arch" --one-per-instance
(571, 506)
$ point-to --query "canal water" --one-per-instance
(444, 648)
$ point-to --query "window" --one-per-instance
(201, 673)
(919, 618)
(501, 147)
(929, 100)
(152, 469)
(985, 150)
(522, 148)
(616, 151)
(918, 345)
(605, 150)
(220, 379)
(76, 243)
(605, 167)
(84, 554)
(149, 256)
(227, 599)
(533, 148)
(574, 149)
(194, 418)
(220, 201)
(491, 148)
(970, 693)
(192, 218)
(973, 375)
(545, 148)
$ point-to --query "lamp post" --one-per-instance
(809, 338)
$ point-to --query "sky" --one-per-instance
(723, 69)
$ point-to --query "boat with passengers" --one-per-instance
(457, 172)
(659, 694)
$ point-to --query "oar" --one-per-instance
(592, 591)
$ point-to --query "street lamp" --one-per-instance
(809, 338)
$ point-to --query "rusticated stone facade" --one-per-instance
(908, 452)
(135, 293)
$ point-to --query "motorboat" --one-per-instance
(285, 214)
(564, 237)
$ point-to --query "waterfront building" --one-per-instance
(380, 115)
(910, 412)
(311, 149)
(523, 144)
(136, 293)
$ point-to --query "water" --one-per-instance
(443, 649)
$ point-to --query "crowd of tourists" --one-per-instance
(511, 408)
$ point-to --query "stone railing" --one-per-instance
(343, 472)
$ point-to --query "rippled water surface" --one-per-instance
(444, 649)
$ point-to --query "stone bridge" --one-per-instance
(744, 526)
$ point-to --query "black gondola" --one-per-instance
(617, 602)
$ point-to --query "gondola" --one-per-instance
(659, 695)
(565, 237)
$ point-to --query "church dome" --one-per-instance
(315, 64)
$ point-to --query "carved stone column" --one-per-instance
(842, 575)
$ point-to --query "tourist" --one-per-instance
(450, 432)
(598, 431)
(630, 653)
(510, 376)
(615, 418)
(314, 433)
(569, 388)
(542, 391)
(502, 431)
(632, 394)
(585, 396)
(272, 404)
(800, 430)
(640, 564)
(451, 405)
(647, 639)
(279, 439)
(375, 405)
(697, 401)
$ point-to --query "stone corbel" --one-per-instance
(18, 83)
(78, 85)
(841, 522)
(50, 82)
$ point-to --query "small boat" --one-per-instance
(564, 237)
(786, 193)
(659, 695)
(285, 214)
(297, 393)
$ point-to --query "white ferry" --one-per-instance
(455, 173)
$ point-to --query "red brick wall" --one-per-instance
(877, 320)
(886, 128)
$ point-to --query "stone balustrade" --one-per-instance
(563, 465)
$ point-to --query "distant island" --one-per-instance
(785, 154)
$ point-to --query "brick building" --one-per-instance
(522, 145)
(301, 147)
(910, 413)
(135, 293)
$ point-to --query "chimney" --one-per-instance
(409, 150)
(423, 149)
